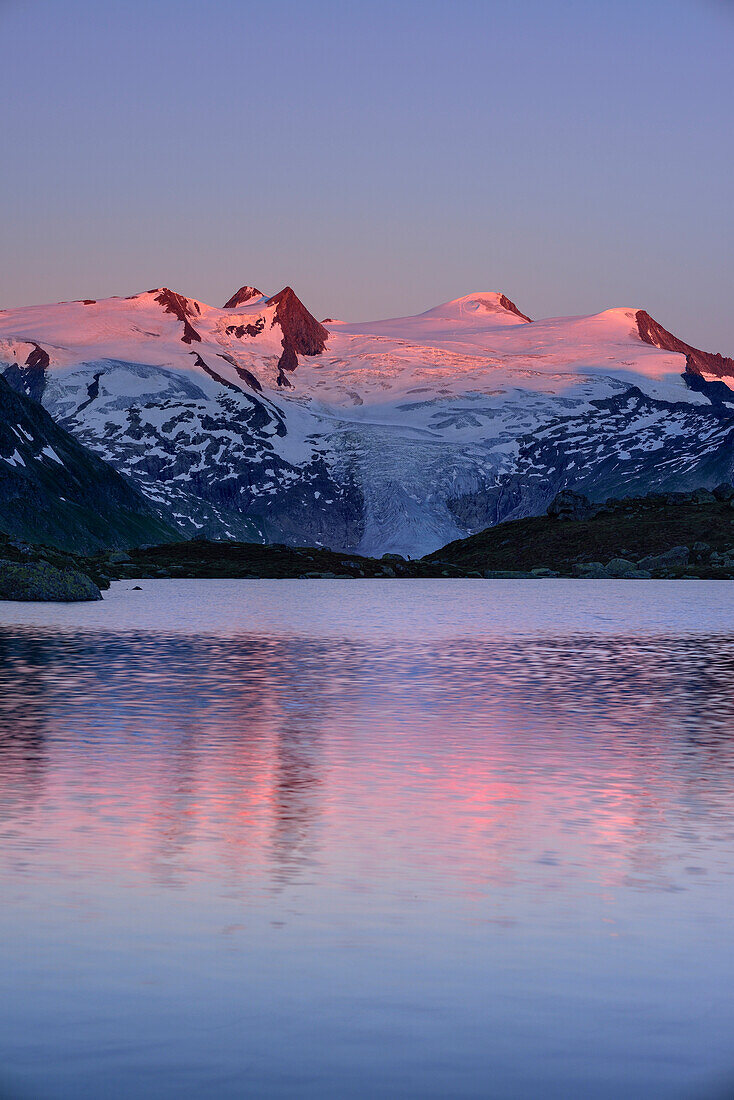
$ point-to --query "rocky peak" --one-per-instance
(510, 306)
(300, 328)
(697, 362)
(243, 295)
(180, 307)
(302, 333)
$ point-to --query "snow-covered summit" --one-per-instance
(481, 302)
(244, 295)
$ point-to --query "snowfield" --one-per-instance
(255, 421)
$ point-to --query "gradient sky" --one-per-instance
(380, 157)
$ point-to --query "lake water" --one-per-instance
(369, 839)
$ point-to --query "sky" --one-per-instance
(380, 157)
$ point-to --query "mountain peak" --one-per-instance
(175, 303)
(481, 301)
(181, 307)
(509, 305)
(652, 332)
(302, 333)
(243, 295)
(300, 328)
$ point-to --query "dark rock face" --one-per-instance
(243, 295)
(213, 374)
(53, 490)
(246, 375)
(246, 330)
(725, 491)
(570, 505)
(302, 333)
(718, 393)
(300, 328)
(35, 372)
(697, 362)
(44, 582)
(30, 379)
(512, 308)
(180, 307)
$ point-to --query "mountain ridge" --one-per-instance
(53, 490)
(255, 421)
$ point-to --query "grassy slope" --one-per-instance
(628, 529)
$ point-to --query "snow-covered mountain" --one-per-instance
(256, 421)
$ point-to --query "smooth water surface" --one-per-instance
(369, 839)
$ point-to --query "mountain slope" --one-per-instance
(257, 422)
(53, 490)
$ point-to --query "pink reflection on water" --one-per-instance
(478, 764)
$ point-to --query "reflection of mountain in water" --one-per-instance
(257, 752)
(22, 722)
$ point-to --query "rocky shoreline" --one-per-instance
(660, 536)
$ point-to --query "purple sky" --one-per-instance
(381, 157)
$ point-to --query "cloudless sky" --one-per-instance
(381, 157)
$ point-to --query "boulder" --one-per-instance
(591, 570)
(675, 558)
(570, 505)
(620, 567)
(542, 571)
(43, 582)
(702, 496)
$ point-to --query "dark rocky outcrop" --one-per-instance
(246, 375)
(512, 308)
(241, 331)
(697, 362)
(183, 308)
(570, 505)
(43, 582)
(30, 378)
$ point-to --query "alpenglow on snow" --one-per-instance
(254, 421)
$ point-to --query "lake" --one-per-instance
(369, 839)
